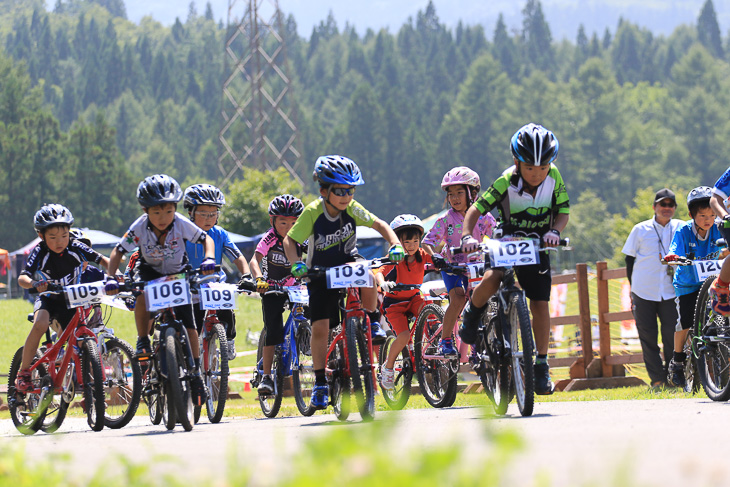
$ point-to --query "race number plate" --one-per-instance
(349, 275)
(476, 270)
(707, 268)
(511, 253)
(167, 292)
(298, 294)
(84, 294)
(218, 295)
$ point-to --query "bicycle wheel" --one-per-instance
(173, 387)
(303, 375)
(93, 385)
(492, 368)
(153, 393)
(123, 385)
(523, 374)
(691, 375)
(361, 372)
(340, 385)
(26, 410)
(711, 345)
(270, 404)
(184, 413)
(57, 409)
(215, 365)
(436, 378)
(397, 398)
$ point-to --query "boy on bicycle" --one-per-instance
(329, 223)
(532, 200)
(203, 203)
(161, 233)
(57, 259)
(695, 240)
(270, 266)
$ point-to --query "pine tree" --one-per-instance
(708, 31)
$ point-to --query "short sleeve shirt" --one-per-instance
(722, 186)
(687, 243)
(447, 230)
(405, 273)
(518, 209)
(332, 240)
(63, 268)
(274, 265)
(648, 242)
(167, 258)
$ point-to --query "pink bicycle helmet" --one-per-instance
(461, 175)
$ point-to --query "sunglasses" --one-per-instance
(667, 204)
(343, 191)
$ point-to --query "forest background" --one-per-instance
(90, 103)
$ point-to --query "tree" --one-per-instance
(708, 31)
(536, 38)
(505, 50)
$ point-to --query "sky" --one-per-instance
(563, 16)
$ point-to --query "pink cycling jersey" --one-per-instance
(447, 229)
(275, 268)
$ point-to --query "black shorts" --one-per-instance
(686, 310)
(272, 308)
(536, 279)
(226, 316)
(324, 304)
(143, 272)
(56, 308)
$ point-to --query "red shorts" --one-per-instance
(397, 312)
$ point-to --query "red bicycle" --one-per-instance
(72, 362)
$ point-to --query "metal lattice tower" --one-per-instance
(258, 109)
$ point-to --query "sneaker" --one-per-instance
(387, 378)
(446, 348)
(266, 388)
(24, 382)
(144, 349)
(720, 298)
(543, 384)
(198, 389)
(231, 349)
(676, 374)
(377, 333)
(320, 396)
(470, 323)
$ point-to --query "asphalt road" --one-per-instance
(653, 442)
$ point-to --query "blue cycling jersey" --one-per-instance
(223, 244)
(722, 186)
(687, 243)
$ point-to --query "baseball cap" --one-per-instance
(664, 194)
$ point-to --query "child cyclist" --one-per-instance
(462, 188)
(720, 291)
(695, 240)
(57, 259)
(160, 233)
(203, 203)
(270, 266)
(532, 200)
(329, 224)
(398, 305)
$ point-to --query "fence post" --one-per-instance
(604, 327)
(584, 309)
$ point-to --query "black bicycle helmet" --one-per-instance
(286, 205)
(157, 190)
(52, 214)
(203, 194)
(534, 144)
(701, 195)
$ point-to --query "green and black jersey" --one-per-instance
(518, 209)
(332, 240)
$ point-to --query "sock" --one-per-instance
(541, 359)
(374, 317)
(320, 379)
(680, 357)
(722, 283)
(471, 308)
(197, 363)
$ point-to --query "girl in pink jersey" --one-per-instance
(462, 187)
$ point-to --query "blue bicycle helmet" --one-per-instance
(203, 194)
(52, 214)
(157, 190)
(337, 170)
(534, 144)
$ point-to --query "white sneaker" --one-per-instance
(231, 349)
(387, 378)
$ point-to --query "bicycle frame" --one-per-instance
(288, 350)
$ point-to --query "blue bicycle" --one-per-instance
(292, 359)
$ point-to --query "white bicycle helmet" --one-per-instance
(402, 222)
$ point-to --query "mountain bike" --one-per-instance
(293, 358)
(72, 362)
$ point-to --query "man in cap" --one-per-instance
(652, 293)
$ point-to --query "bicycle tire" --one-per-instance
(340, 384)
(271, 404)
(216, 373)
(303, 374)
(495, 375)
(691, 374)
(123, 384)
(154, 393)
(93, 385)
(173, 387)
(361, 372)
(523, 373)
(185, 416)
(397, 398)
(712, 354)
(23, 410)
(56, 411)
(437, 381)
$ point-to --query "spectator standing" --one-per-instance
(652, 293)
